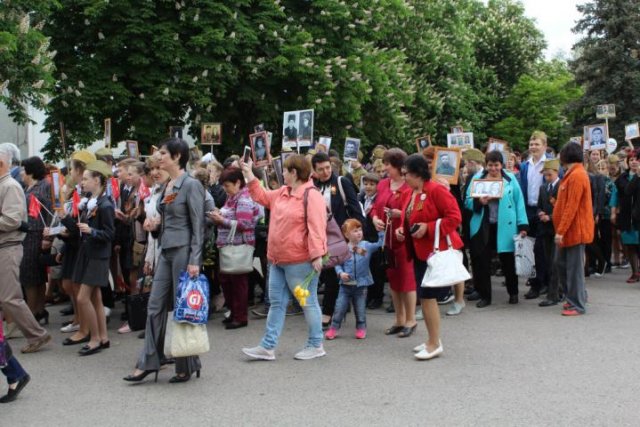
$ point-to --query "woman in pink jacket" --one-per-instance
(296, 244)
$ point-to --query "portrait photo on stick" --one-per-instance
(446, 164)
(423, 142)
(596, 137)
(260, 148)
(487, 188)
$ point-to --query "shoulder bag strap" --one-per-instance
(342, 194)
(436, 241)
(232, 232)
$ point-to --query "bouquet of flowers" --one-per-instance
(301, 291)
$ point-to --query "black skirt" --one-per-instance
(91, 271)
(420, 268)
(69, 261)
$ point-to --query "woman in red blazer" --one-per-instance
(430, 201)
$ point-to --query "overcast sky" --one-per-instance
(555, 18)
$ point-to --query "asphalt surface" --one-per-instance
(502, 365)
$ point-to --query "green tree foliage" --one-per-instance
(385, 71)
(25, 59)
(540, 100)
(607, 64)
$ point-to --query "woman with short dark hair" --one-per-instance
(239, 213)
(494, 224)
(429, 202)
(574, 224)
(33, 274)
(180, 231)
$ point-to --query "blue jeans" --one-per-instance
(282, 281)
(13, 371)
(347, 294)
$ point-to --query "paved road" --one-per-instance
(503, 365)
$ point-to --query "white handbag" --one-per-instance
(236, 259)
(444, 268)
(185, 339)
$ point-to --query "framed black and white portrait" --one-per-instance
(260, 148)
(324, 144)
(132, 149)
(606, 111)
(497, 145)
(211, 134)
(107, 133)
(351, 148)
(631, 131)
(487, 188)
(446, 163)
(423, 142)
(277, 167)
(596, 137)
(175, 132)
(460, 140)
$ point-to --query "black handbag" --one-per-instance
(388, 257)
(137, 309)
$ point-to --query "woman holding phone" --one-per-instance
(429, 202)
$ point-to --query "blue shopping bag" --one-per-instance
(192, 299)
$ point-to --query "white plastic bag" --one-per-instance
(185, 339)
(525, 259)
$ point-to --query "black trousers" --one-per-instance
(604, 227)
(376, 291)
(481, 254)
(330, 280)
(595, 255)
(551, 280)
(538, 249)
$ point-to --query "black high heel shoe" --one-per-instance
(140, 377)
(183, 378)
(43, 315)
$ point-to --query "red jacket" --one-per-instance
(434, 202)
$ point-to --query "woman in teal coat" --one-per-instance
(494, 224)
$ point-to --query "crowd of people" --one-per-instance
(129, 228)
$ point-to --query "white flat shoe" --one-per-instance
(419, 348)
(425, 355)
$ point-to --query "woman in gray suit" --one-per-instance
(180, 231)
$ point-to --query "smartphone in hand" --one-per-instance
(247, 154)
(414, 228)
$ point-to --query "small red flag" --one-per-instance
(75, 202)
(115, 189)
(34, 206)
(143, 191)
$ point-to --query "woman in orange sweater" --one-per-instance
(574, 224)
(297, 241)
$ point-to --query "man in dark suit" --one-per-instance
(546, 200)
(291, 132)
(342, 200)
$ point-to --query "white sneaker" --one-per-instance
(419, 348)
(309, 353)
(107, 311)
(455, 309)
(419, 315)
(260, 353)
(70, 328)
(425, 355)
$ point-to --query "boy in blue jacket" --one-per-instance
(355, 276)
